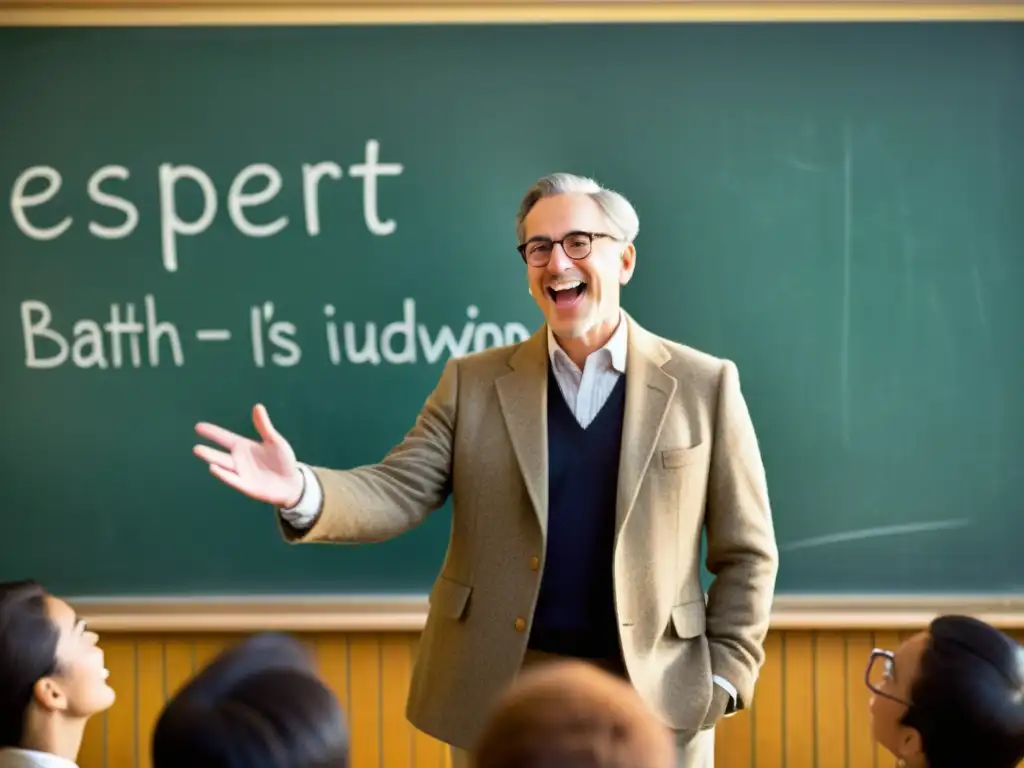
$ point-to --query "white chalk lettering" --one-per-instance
(256, 332)
(311, 175)
(515, 333)
(187, 210)
(20, 200)
(87, 349)
(238, 200)
(432, 350)
(155, 331)
(116, 330)
(405, 341)
(99, 345)
(368, 171)
(368, 353)
(280, 334)
(133, 337)
(170, 224)
(333, 345)
(99, 196)
(40, 327)
(407, 328)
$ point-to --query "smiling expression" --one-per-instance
(79, 686)
(579, 297)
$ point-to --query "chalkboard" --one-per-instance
(837, 208)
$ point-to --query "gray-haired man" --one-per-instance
(584, 464)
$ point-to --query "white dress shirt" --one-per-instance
(585, 391)
(12, 757)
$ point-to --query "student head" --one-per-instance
(52, 677)
(951, 696)
(573, 715)
(259, 704)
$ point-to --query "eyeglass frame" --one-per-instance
(891, 658)
(591, 236)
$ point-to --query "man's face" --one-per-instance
(578, 297)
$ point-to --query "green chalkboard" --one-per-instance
(838, 208)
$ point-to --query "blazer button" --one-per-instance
(534, 563)
(520, 624)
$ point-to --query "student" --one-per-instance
(257, 705)
(571, 714)
(950, 697)
(52, 678)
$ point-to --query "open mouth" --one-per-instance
(567, 294)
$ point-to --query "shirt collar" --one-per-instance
(615, 349)
(11, 757)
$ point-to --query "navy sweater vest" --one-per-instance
(575, 613)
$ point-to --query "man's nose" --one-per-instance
(559, 261)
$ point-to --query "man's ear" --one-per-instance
(628, 264)
(48, 694)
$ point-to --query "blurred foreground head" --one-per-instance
(257, 705)
(569, 714)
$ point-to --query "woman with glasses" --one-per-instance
(950, 697)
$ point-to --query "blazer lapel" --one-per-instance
(523, 396)
(649, 392)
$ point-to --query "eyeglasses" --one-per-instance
(577, 245)
(881, 670)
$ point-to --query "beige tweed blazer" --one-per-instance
(690, 462)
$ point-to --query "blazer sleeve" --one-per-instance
(380, 501)
(741, 550)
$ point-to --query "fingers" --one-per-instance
(214, 457)
(261, 419)
(231, 479)
(223, 437)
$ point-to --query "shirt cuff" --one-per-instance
(729, 688)
(305, 512)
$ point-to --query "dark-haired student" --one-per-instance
(950, 697)
(259, 704)
(52, 678)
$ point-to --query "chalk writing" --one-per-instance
(127, 338)
(253, 186)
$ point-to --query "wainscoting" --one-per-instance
(810, 708)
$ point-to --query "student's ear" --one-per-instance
(48, 694)
(911, 748)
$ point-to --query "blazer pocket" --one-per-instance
(449, 598)
(672, 458)
(689, 620)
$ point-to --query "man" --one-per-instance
(584, 464)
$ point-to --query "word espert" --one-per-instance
(241, 196)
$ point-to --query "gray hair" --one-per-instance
(619, 212)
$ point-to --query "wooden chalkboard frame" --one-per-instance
(352, 613)
(355, 613)
(292, 12)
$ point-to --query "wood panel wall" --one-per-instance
(810, 709)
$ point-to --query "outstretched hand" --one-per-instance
(266, 471)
